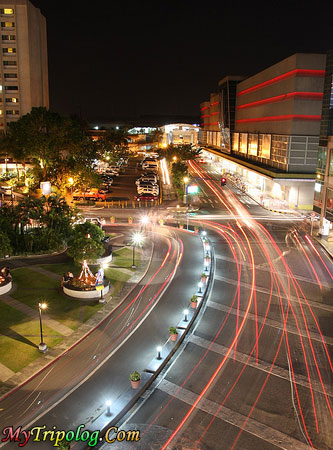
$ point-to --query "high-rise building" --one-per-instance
(323, 196)
(23, 58)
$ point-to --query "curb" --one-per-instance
(155, 367)
(329, 252)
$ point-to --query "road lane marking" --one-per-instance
(260, 365)
(263, 290)
(252, 426)
(270, 322)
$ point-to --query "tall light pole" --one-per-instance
(42, 346)
(137, 239)
(71, 182)
(186, 180)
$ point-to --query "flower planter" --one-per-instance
(174, 337)
(203, 279)
(130, 220)
(181, 226)
(135, 384)
(196, 230)
(112, 219)
(194, 305)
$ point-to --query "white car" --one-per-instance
(148, 189)
(147, 179)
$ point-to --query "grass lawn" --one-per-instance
(66, 310)
(124, 257)
(19, 338)
(61, 268)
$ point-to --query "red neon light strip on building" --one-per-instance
(214, 113)
(205, 115)
(205, 107)
(296, 72)
(276, 118)
(215, 103)
(279, 98)
(213, 123)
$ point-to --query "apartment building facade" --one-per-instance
(23, 58)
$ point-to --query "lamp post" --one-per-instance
(137, 239)
(186, 180)
(42, 346)
(159, 349)
(71, 182)
(108, 407)
(185, 315)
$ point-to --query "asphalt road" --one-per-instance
(34, 402)
(256, 373)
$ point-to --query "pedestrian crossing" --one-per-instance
(215, 203)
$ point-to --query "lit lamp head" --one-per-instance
(105, 266)
(108, 407)
(42, 305)
(70, 180)
(174, 158)
(137, 238)
(144, 220)
(186, 179)
(185, 315)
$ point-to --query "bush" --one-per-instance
(173, 330)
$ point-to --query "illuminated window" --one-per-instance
(8, 24)
(9, 50)
(1, 112)
(12, 112)
(253, 144)
(0, 87)
(235, 142)
(6, 11)
(8, 37)
(12, 100)
(243, 142)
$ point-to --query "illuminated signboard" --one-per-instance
(192, 189)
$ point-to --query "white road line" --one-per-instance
(270, 322)
(258, 429)
(260, 365)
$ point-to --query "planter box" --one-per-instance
(75, 292)
(6, 286)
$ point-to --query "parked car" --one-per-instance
(106, 188)
(148, 188)
(146, 197)
(94, 220)
(90, 194)
(148, 179)
(107, 178)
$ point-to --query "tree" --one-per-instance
(86, 242)
(5, 247)
(184, 152)
(113, 145)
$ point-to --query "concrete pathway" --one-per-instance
(30, 312)
(5, 373)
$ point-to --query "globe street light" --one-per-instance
(137, 240)
(42, 346)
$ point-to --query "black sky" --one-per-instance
(130, 58)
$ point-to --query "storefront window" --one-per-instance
(265, 146)
(243, 142)
(331, 163)
(235, 142)
(253, 144)
(322, 156)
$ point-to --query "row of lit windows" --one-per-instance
(11, 112)
(7, 24)
(9, 50)
(7, 11)
(8, 37)
(11, 100)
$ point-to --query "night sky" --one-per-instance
(125, 58)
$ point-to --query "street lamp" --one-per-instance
(200, 287)
(144, 220)
(186, 180)
(42, 346)
(71, 182)
(137, 239)
(159, 349)
(185, 315)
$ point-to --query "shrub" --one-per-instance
(135, 376)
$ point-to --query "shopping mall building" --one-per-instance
(265, 130)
